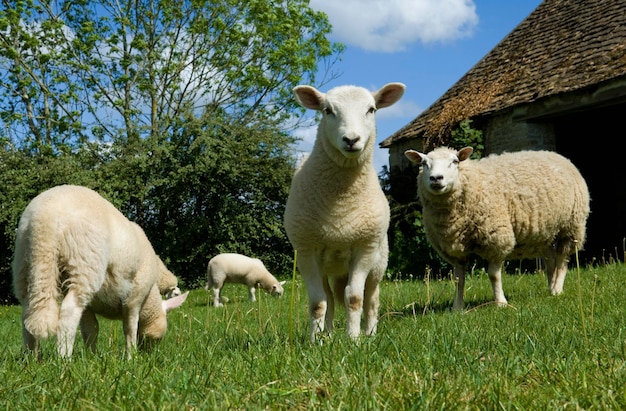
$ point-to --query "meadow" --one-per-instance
(540, 352)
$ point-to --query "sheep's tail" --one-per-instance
(37, 286)
(209, 279)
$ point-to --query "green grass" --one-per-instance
(541, 352)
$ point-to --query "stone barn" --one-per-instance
(556, 82)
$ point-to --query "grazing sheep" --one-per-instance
(77, 256)
(237, 268)
(511, 206)
(336, 215)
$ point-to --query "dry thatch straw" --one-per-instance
(477, 98)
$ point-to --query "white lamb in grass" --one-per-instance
(241, 269)
(337, 215)
(77, 256)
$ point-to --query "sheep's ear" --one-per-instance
(389, 94)
(309, 97)
(415, 156)
(464, 153)
(175, 302)
(282, 282)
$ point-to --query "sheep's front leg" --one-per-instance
(459, 278)
(494, 269)
(69, 318)
(130, 324)
(89, 329)
(30, 342)
(251, 293)
(354, 303)
(315, 290)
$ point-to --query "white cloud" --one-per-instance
(404, 109)
(392, 25)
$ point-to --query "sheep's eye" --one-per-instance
(372, 110)
(455, 162)
(328, 111)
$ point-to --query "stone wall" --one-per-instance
(503, 133)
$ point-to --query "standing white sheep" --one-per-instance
(77, 256)
(237, 268)
(336, 215)
(511, 206)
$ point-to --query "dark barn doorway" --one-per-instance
(593, 140)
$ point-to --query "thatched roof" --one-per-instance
(562, 46)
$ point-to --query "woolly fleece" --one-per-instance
(336, 215)
(76, 256)
(516, 205)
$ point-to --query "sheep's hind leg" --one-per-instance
(70, 315)
(494, 270)
(371, 305)
(559, 271)
(89, 329)
(330, 302)
(217, 299)
(551, 271)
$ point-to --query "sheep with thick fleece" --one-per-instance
(77, 256)
(337, 215)
(515, 205)
(240, 269)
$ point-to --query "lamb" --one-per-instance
(237, 268)
(516, 205)
(74, 248)
(336, 216)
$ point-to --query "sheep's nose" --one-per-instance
(436, 178)
(351, 141)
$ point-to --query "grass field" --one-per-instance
(541, 352)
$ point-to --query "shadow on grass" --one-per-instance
(417, 309)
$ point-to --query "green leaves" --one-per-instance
(134, 67)
(175, 111)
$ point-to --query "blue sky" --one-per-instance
(426, 44)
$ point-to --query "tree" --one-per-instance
(212, 187)
(126, 70)
(177, 112)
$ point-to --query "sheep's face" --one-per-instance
(348, 123)
(277, 289)
(172, 292)
(439, 170)
(348, 120)
(153, 318)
